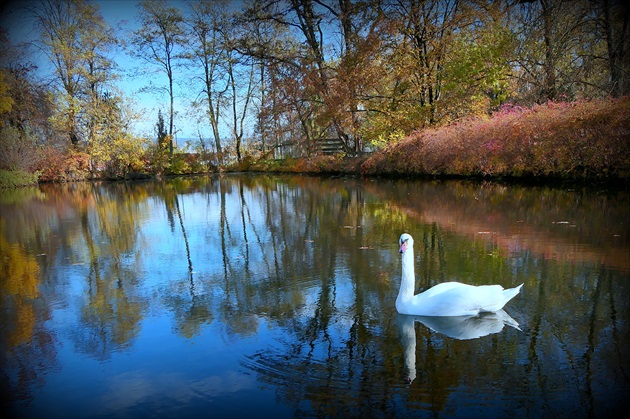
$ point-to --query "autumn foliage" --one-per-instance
(281, 79)
(578, 140)
(63, 166)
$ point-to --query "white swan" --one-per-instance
(448, 298)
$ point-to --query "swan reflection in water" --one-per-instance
(457, 327)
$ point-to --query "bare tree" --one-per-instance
(157, 42)
(209, 53)
(242, 94)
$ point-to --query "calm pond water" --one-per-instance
(274, 296)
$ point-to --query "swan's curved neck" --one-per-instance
(407, 284)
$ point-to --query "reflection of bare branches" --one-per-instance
(591, 345)
(619, 344)
(191, 314)
(336, 380)
(536, 334)
(244, 225)
(225, 233)
(109, 231)
(248, 222)
(181, 223)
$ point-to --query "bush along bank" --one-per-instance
(17, 179)
(585, 140)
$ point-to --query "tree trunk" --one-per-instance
(171, 113)
(617, 48)
(549, 90)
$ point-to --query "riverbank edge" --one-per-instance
(350, 168)
(566, 142)
(334, 166)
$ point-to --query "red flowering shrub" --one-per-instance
(579, 140)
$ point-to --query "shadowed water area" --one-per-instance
(274, 296)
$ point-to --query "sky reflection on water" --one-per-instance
(274, 296)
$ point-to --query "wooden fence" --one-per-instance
(331, 145)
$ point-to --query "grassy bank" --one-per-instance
(587, 140)
(16, 179)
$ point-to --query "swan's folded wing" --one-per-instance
(450, 299)
(444, 287)
(463, 299)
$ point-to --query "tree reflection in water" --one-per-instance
(297, 277)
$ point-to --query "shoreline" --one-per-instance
(582, 142)
(348, 170)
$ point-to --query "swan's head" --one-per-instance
(405, 242)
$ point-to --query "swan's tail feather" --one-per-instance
(511, 293)
(500, 302)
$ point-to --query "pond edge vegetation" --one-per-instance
(567, 141)
(587, 140)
